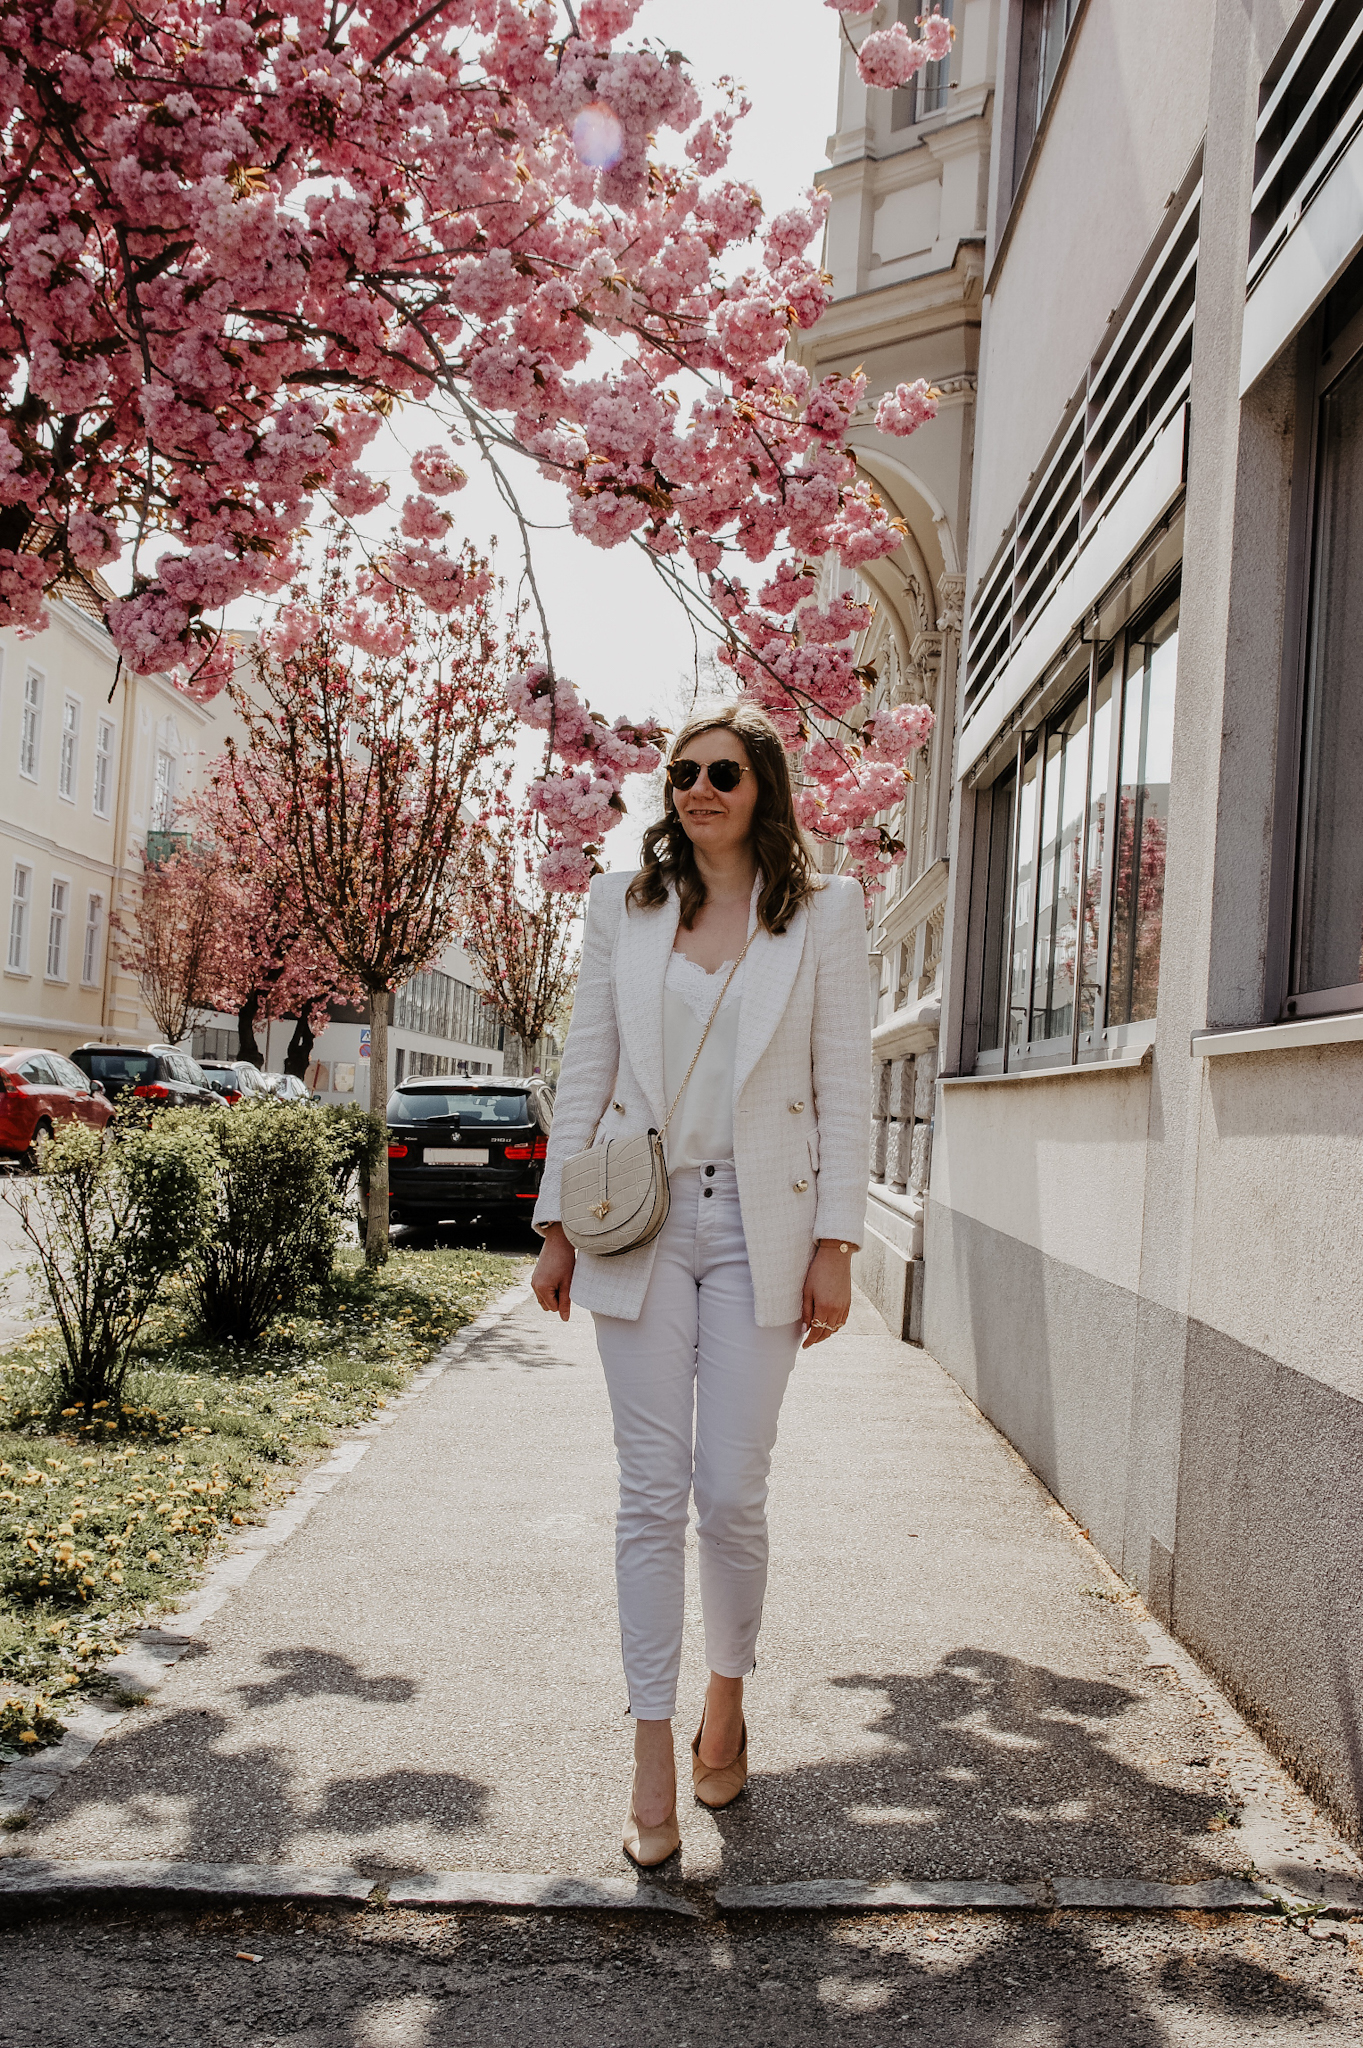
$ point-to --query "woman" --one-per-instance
(767, 1153)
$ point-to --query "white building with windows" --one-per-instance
(1142, 1231)
(908, 184)
(92, 761)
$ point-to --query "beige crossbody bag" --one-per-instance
(615, 1197)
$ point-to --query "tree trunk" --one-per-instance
(247, 1049)
(299, 1054)
(376, 1231)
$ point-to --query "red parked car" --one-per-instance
(38, 1090)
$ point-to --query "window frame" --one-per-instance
(906, 101)
(58, 924)
(1097, 1041)
(22, 902)
(92, 943)
(68, 756)
(1027, 81)
(164, 792)
(104, 758)
(1318, 370)
(31, 724)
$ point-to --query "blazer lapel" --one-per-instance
(768, 979)
(641, 953)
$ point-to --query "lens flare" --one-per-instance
(598, 137)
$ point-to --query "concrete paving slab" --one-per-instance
(425, 1675)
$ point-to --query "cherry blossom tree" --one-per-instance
(176, 940)
(520, 933)
(379, 735)
(270, 963)
(232, 239)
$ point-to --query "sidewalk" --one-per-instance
(426, 1674)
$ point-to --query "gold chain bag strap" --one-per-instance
(615, 1197)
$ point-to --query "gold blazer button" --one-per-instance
(800, 1186)
(795, 1107)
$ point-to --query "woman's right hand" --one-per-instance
(552, 1280)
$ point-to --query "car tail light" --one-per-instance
(539, 1150)
(527, 1194)
(153, 1091)
(10, 1084)
(397, 1151)
(231, 1095)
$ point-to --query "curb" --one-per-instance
(38, 1881)
(154, 1650)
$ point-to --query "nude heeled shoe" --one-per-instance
(650, 1846)
(717, 1786)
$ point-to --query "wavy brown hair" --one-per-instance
(788, 873)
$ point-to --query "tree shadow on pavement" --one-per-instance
(305, 1674)
(184, 1785)
(985, 1768)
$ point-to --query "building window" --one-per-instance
(66, 768)
(30, 735)
(21, 896)
(1069, 861)
(163, 792)
(438, 1006)
(56, 931)
(94, 930)
(104, 766)
(1326, 962)
(1045, 25)
(927, 93)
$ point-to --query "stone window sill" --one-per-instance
(1294, 1036)
(1117, 1063)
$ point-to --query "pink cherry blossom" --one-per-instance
(907, 407)
(938, 35)
(890, 57)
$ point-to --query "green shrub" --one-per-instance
(108, 1223)
(358, 1138)
(275, 1218)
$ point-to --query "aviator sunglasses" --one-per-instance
(725, 776)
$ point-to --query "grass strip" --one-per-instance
(102, 1524)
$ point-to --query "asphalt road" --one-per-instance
(472, 1980)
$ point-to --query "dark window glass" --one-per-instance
(1024, 898)
(1059, 871)
(424, 1105)
(995, 962)
(1329, 950)
(1091, 823)
(1142, 822)
(1045, 25)
(134, 1067)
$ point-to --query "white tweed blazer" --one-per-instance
(802, 1084)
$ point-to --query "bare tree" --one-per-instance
(520, 934)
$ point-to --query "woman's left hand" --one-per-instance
(828, 1291)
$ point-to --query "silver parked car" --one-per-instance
(288, 1088)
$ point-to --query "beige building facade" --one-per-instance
(92, 761)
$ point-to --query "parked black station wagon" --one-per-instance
(464, 1149)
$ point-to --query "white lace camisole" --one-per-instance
(702, 1131)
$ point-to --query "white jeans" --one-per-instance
(695, 1391)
